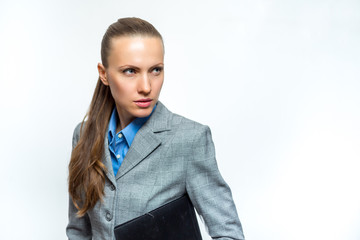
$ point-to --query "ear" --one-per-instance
(102, 74)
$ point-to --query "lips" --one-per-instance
(144, 102)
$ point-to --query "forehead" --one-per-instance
(135, 50)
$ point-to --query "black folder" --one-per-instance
(175, 220)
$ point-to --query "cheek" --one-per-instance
(118, 90)
(157, 85)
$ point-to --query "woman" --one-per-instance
(132, 154)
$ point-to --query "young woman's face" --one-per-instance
(135, 75)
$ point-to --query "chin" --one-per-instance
(143, 112)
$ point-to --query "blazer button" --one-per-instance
(112, 187)
(108, 216)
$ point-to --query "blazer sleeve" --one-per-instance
(208, 191)
(78, 228)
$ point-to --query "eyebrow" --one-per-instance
(137, 68)
(128, 66)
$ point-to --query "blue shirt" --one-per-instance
(119, 143)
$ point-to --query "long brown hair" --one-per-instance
(86, 169)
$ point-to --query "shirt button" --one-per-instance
(120, 135)
(118, 156)
(108, 216)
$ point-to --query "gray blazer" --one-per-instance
(170, 155)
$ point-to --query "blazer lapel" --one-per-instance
(146, 140)
(107, 161)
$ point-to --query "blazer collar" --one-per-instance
(144, 143)
(159, 121)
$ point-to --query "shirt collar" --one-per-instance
(112, 124)
(129, 131)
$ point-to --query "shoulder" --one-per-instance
(185, 126)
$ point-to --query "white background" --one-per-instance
(277, 81)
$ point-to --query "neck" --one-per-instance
(123, 121)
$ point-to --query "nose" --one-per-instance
(144, 85)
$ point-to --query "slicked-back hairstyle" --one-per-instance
(127, 27)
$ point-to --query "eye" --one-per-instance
(129, 71)
(157, 70)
